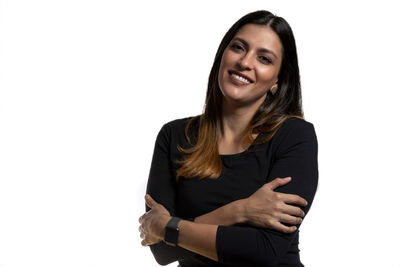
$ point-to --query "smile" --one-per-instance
(235, 77)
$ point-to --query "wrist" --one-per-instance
(160, 226)
(171, 236)
(240, 211)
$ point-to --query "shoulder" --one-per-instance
(174, 131)
(172, 135)
(177, 125)
(295, 131)
(297, 126)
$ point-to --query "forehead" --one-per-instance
(259, 37)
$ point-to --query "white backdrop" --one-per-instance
(86, 85)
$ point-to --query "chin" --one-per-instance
(237, 100)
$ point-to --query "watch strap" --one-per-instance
(172, 231)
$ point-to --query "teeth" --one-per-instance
(240, 78)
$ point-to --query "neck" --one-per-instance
(235, 120)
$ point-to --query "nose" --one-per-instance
(246, 62)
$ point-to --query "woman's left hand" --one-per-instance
(153, 222)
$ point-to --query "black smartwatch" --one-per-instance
(172, 232)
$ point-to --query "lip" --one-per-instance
(236, 82)
(240, 74)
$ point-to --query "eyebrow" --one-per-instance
(265, 50)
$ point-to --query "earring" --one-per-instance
(274, 89)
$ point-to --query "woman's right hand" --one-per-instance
(268, 209)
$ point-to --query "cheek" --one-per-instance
(228, 61)
(267, 76)
(224, 61)
(230, 58)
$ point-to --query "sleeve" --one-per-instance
(161, 186)
(296, 156)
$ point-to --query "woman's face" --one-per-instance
(250, 65)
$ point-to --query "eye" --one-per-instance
(236, 47)
(265, 60)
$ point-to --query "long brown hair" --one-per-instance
(202, 160)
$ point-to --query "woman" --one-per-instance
(216, 194)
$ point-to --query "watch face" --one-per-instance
(172, 232)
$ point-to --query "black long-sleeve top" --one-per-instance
(291, 152)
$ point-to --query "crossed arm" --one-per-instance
(269, 235)
(265, 208)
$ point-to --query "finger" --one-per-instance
(293, 199)
(141, 229)
(150, 201)
(292, 210)
(151, 242)
(144, 242)
(284, 218)
(278, 182)
(141, 218)
(142, 235)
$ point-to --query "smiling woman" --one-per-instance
(216, 194)
(251, 52)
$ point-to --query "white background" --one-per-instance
(86, 85)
